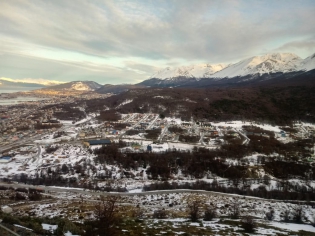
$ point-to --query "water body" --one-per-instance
(15, 90)
(18, 100)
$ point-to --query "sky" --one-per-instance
(114, 42)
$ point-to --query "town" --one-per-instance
(65, 145)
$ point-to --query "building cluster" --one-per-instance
(18, 122)
(26, 119)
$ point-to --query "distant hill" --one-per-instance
(109, 88)
(76, 86)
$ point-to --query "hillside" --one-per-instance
(270, 104)
(109, 88)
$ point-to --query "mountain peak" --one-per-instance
(265, 64)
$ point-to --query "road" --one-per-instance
(153, 122)
(19, 143)
(164, 130)
(81, 191)
(9, 230)
(247, 140)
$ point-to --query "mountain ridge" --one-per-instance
(244, 70)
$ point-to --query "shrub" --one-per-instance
(9, 219)
(194, 209)
(248, 224)
(286, 215)
(235, 210)
(35, 196)
(298, 214)
(138, 213)
(3, 188)
(270, 215)
(210, 213)
(159, 214)
(18, 196)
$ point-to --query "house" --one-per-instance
(281, 134)
(114, 132)
(5, 159)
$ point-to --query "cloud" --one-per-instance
(30, 80)
(308, 46)
(32, 67)
(142, 68)
(111, 34)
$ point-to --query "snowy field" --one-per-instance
(73, 205)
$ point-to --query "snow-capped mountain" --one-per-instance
(193, 71)
(269, 63)
(308, 63)
(85, 86)
(254, 68)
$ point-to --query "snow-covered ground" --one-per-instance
(70, 205)
(239, 124)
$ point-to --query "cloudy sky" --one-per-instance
(127, 41)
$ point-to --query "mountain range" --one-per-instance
(257, 68)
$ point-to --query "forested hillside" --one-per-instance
(275, 105)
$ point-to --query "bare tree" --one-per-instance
(210, 213)
(298, 213)
(194, 209)
(107, 215)
(235, 209)
(270, 215)
(286, 215)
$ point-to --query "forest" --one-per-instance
(274, 105)
(199, 162)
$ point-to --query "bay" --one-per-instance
(15, 90)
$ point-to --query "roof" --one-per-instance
(99, 142)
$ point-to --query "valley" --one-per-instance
(175, 118)
(75, 150)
